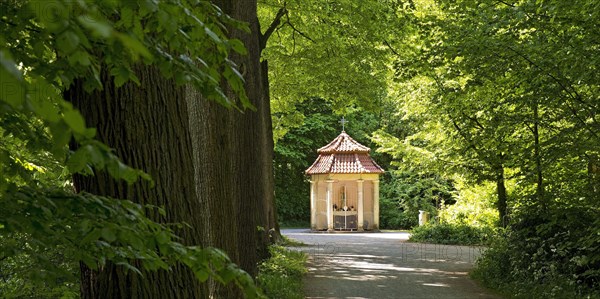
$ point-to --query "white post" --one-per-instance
(376, 204)
(313, 205)
(329, 205)
(360, 206)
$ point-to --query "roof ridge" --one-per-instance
(344, 143)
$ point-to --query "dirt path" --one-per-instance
(384, 265)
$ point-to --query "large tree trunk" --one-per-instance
(212, 146)
(252, 144)
(212, 167)
(147, 125)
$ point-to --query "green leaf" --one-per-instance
(129, 267)
(121, 74)
(80, 58)
(238, 46)
(134, 45)
(108, 234)
(40, 101)
(98, 27)
(12, 90)
(68, 41)
(78, 160)
(75, 121)
(162, 237)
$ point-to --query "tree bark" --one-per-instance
(273, 223)
(212, 167)
(147, 125)
(502, 196)
(252, 144)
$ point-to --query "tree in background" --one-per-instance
(141, 90)
(505, 93)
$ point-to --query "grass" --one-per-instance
(281, 275)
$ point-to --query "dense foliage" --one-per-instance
(483, 113)
(507, 99)
(45, 46)
(281, 275)
(297, 150)
(405, 193)
(456, 234)
(489, 103)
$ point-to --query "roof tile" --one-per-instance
(344, 155)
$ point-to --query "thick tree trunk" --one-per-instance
(212, 167)
(251, 142)
(210, 131)
(147, 125)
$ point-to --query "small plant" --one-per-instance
(281, 275)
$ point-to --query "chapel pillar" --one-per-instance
(360, 205)
(376, 204)
(313, 205)
(329, 205)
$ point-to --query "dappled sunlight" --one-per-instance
(346, 265)
(389, 235)
(436, 285)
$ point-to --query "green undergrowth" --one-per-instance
(454, 234)
(281, 275)
(542, 257)
(289, 242)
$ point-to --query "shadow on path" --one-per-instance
(384, 265)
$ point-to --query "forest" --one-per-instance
(152, 144)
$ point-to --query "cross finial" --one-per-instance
(343, 122)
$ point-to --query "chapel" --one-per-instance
(344, 187)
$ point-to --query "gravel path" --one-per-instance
(384, 265)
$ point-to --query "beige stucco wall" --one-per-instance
(339, 181)
(321, 205)
(368, 203)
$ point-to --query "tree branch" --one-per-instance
(385, 42)
(299, 32)
(265, 37)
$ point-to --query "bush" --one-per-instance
(391, 217)
(545, 255)
(457, 234)
(281, 275)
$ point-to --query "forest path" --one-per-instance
(384, 265)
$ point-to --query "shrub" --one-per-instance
(545, 255)
(281, 275)
(457, 234)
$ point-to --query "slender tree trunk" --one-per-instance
(593, 172)
(502, 196)
(537, 156)
(147, 125)
(273, 223)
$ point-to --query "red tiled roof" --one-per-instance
(343, 144)
(344, 155)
